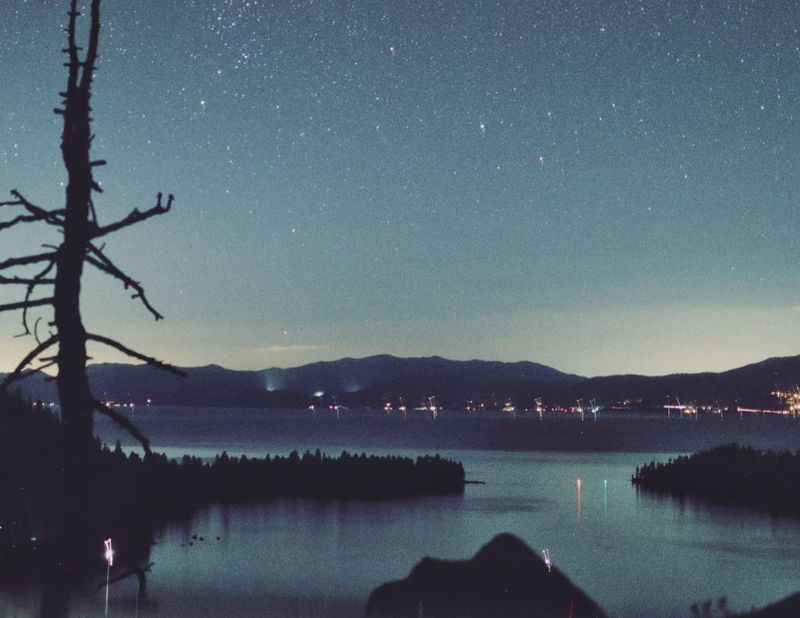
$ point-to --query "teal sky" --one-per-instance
(599, 186)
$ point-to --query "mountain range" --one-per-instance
(375, 378)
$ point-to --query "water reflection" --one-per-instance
(293, 558)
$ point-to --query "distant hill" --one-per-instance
(377, 376)
(750, 384)
(348, 379)
(370, 379)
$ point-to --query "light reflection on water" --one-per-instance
(636, 554)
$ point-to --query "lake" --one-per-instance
(635, 554)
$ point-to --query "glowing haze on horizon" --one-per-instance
(600, 187)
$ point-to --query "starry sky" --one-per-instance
(602, 187)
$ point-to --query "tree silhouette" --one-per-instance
(59, 269)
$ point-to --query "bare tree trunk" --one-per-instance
(80, 228)
(77, 405)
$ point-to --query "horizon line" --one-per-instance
(444, 358)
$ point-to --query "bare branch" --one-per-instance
(136, 216)
(4, 225)
(72, 49)
(23, 281)
(53, 217)
(28, 259)
(91, 55)
(27, 373)
(32, 372)
(36, 330)
(37, 214)
(92, 212)
(39, 302)
(103, 263)
(154, 362)
(29, 293)
(126, 423)
(17, 374)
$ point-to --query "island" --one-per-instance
(731, 474)
(132, 495)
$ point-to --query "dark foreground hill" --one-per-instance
(505, 578)
(374, 379)
(787, 608)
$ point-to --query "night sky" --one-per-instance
(599, 186)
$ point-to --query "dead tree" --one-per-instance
(55, 279)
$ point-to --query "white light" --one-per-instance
(109, 553)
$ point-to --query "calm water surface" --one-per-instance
(635, 554)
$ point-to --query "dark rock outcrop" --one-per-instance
(505, 578)
(787, 608)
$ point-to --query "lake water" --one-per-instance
(636, 555)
